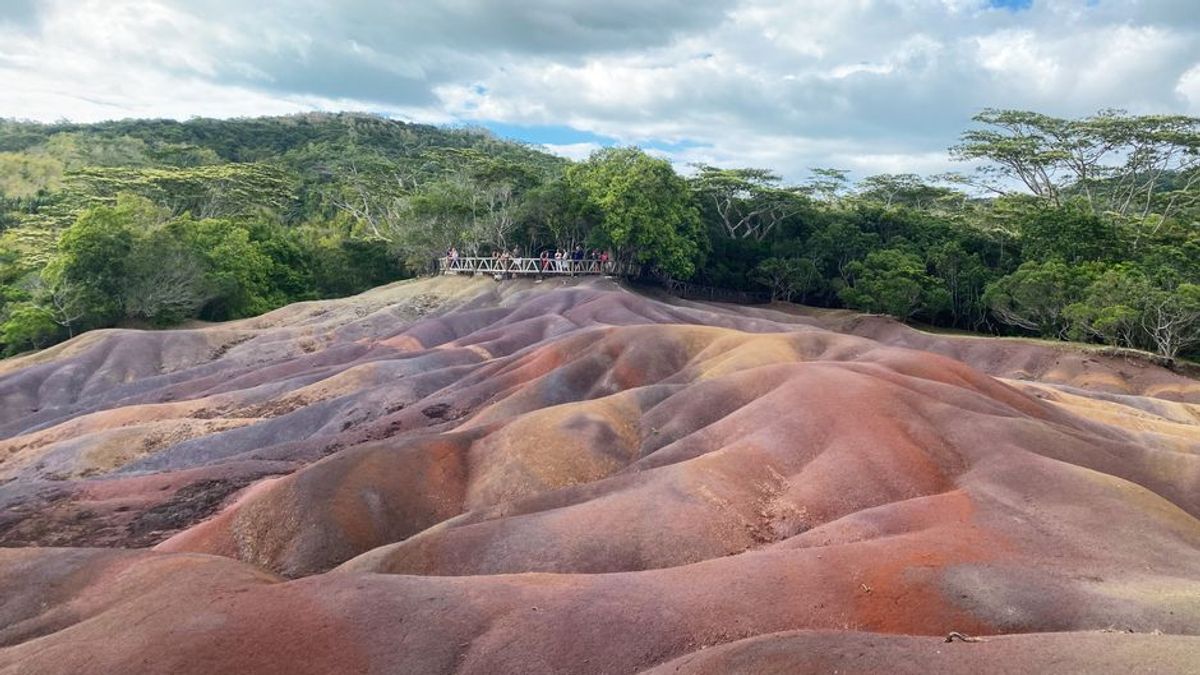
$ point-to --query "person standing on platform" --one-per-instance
(577, 259)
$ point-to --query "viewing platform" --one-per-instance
(537, 267)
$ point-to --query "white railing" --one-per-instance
(537, 267)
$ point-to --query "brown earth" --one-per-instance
(454, 475)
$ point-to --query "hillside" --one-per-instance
(252, 214)
(455, 475)
(298, 165)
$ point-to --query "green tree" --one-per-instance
(907, 189)
(788, 277)
(497, 186)
(23, 176)
(343, 266)
(1070, 234)
(893, 282)
(1116, 162)
(964, 276)
(1112, 307)
(558, 213)
(648, 211)
(749, 202)
(836, 245)
(438, 216)
(1127, 307)
(1035, 297)
(166, 281)
(77, 150)
(238, 272)
(94, 255)
(827, 184)
(1172, 319)
(1020, 146)
(290, 274)
(28, 326)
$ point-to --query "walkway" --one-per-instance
(534, 267)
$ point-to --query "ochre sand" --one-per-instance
(455, 475)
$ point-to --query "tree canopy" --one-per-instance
(648, 214)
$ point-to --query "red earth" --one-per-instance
(455, 475)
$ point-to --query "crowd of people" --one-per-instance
(549, 261)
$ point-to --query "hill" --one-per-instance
(455, 475)
(307, 206)
(297, 165)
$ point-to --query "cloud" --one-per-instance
(868, 85)
(1189, 88)
(575, 151)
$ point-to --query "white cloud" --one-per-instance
(868, 85)
(1189, 88)
(1015, 57)
(575, 151)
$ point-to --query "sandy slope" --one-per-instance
(458, 475)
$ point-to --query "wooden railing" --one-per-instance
(537, 267)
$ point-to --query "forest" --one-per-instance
(1077, 229)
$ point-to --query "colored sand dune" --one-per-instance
(454, 475)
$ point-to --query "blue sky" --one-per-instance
(558, 135)
(1014, 5)
(552, 134)
(870, 86)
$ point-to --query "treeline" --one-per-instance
(1083, 229)
(1080, 229)
(154, 222)
(136, 262)
(1089, 230)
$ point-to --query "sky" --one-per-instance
(870, 86)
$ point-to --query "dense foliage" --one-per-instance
(1088, 230)
(1082, 229)
(153, 222)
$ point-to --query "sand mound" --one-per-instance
(458, 475)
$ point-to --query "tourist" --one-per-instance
(577, 259)
(499, 262)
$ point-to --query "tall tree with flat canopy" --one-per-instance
(1141, 169)
(749, 202)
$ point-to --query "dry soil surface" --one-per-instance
(455, 475)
